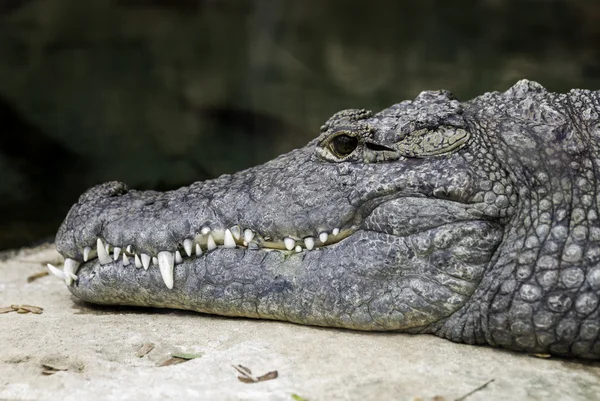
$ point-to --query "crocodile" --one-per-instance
(474, 221)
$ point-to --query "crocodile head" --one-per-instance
(419, 218)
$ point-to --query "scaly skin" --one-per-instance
(475, 221)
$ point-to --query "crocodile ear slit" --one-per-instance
(377, 147)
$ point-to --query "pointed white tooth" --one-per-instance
(107, 247)
(165, 264)
(116, 252)
(323, 237)
(188, 245)
(56, 271)
(335, 231)
(248, 235)
(229, 242)
(69, 269)
(128, 249)
(244, 243)
(289, 243)
(309, 242)
(154, 261)
(210, 243)
(198, 250)
(145, 261)
(102, 253)
(138, 262)
(86, 253)
(178, 258)
(125, 260)
(205, 230)
(298, 249)
(236, 231)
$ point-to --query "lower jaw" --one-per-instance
(228, 282)
(368, 281)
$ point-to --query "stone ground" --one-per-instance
(98, 348)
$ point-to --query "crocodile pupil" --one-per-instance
(344, 144)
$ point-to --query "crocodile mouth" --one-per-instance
(427, 214)
(207, 240)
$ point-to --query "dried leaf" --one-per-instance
(6, 309)
(50, 369)
(268, 376)
(296, 397)
(188, 356)
(51, 366)
(247, 377)
(21, 310)
(545, 356)
(35, 276)
(243, 369)
(33, 309)
(246, 374)
(145, 349)
(172, 361)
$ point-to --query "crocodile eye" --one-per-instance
(342, 145)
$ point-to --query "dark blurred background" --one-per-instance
(161, 93)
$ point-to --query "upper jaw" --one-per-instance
(206, 239)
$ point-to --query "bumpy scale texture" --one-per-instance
(476, 221)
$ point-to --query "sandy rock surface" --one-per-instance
(97, 349)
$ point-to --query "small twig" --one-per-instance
(474, 391)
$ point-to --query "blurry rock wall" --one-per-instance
(161, 93)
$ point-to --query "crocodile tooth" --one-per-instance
(198, 250)
(298, 249)
(69, 269)
(248, 235)
(229, 242)
(335, 231)
(129, 248)
(145, 261)
(289, 243)
(138, 262)
(154, 261)
(210, 243)
(188, 244)
(309, 242)
(116, 252)
(205, 230)
(107, 248)
(125, 260)
(178, 258)
(103, 256)
(165, 264)
(56, 271)
(86, 253)
(237, 232)
(323, 237)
